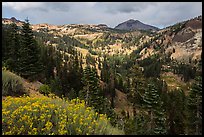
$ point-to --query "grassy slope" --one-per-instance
(174, 81)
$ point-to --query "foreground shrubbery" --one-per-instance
(45, 89)
(44, 116)
(11, 84)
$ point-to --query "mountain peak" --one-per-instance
(132, 20)
(13, 19)
(132, 24)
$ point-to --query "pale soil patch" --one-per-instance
(84, 53)
(32, 88)
(129, 51)
(117, 48)
(182, 54)
(89, 36)
(148, 53)
(197, 55)
(69, 31)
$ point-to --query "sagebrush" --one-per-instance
(12, 84)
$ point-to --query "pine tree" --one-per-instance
(195, 107)
(48, 63)
(153, 104)
(105, 71)
(10, 47)
(136, 88)
(14, 48)
(29, 61)
(175, 110)
(91, 92)
(160, 128)
(63, 78)
(4, 44)
(77, 71)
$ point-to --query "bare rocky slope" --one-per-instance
(183, 40)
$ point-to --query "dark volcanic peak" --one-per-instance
(135, 25)
(13, 19)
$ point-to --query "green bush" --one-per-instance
(12, 84)
(45, 89)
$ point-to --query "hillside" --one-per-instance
(185, 38)
(181, 42)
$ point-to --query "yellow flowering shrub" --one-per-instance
(52, 116)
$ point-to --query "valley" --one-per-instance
(129, 73)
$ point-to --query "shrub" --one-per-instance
(52, 116)
(12, 84)
(45, 89)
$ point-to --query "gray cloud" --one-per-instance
(58, 6)
(110, 13)
(124, 7)
(42, 6)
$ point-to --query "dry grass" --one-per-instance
(148, 53)
(122, 103)
(174, 81)
(89, 36)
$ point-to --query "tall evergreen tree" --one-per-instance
(4, 43)
(10, 48)
(160, 119)
(77, 73)
(111, 87)
(153, 104)
(91, 92)
(105, 71)
(175, 108)
(136, 87)
(48, 62)
(195, 107)
(14, 47)
(29, 61)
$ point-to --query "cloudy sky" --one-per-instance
(159, 14)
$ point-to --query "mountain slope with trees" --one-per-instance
(136, 66)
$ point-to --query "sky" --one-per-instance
(159, 14)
